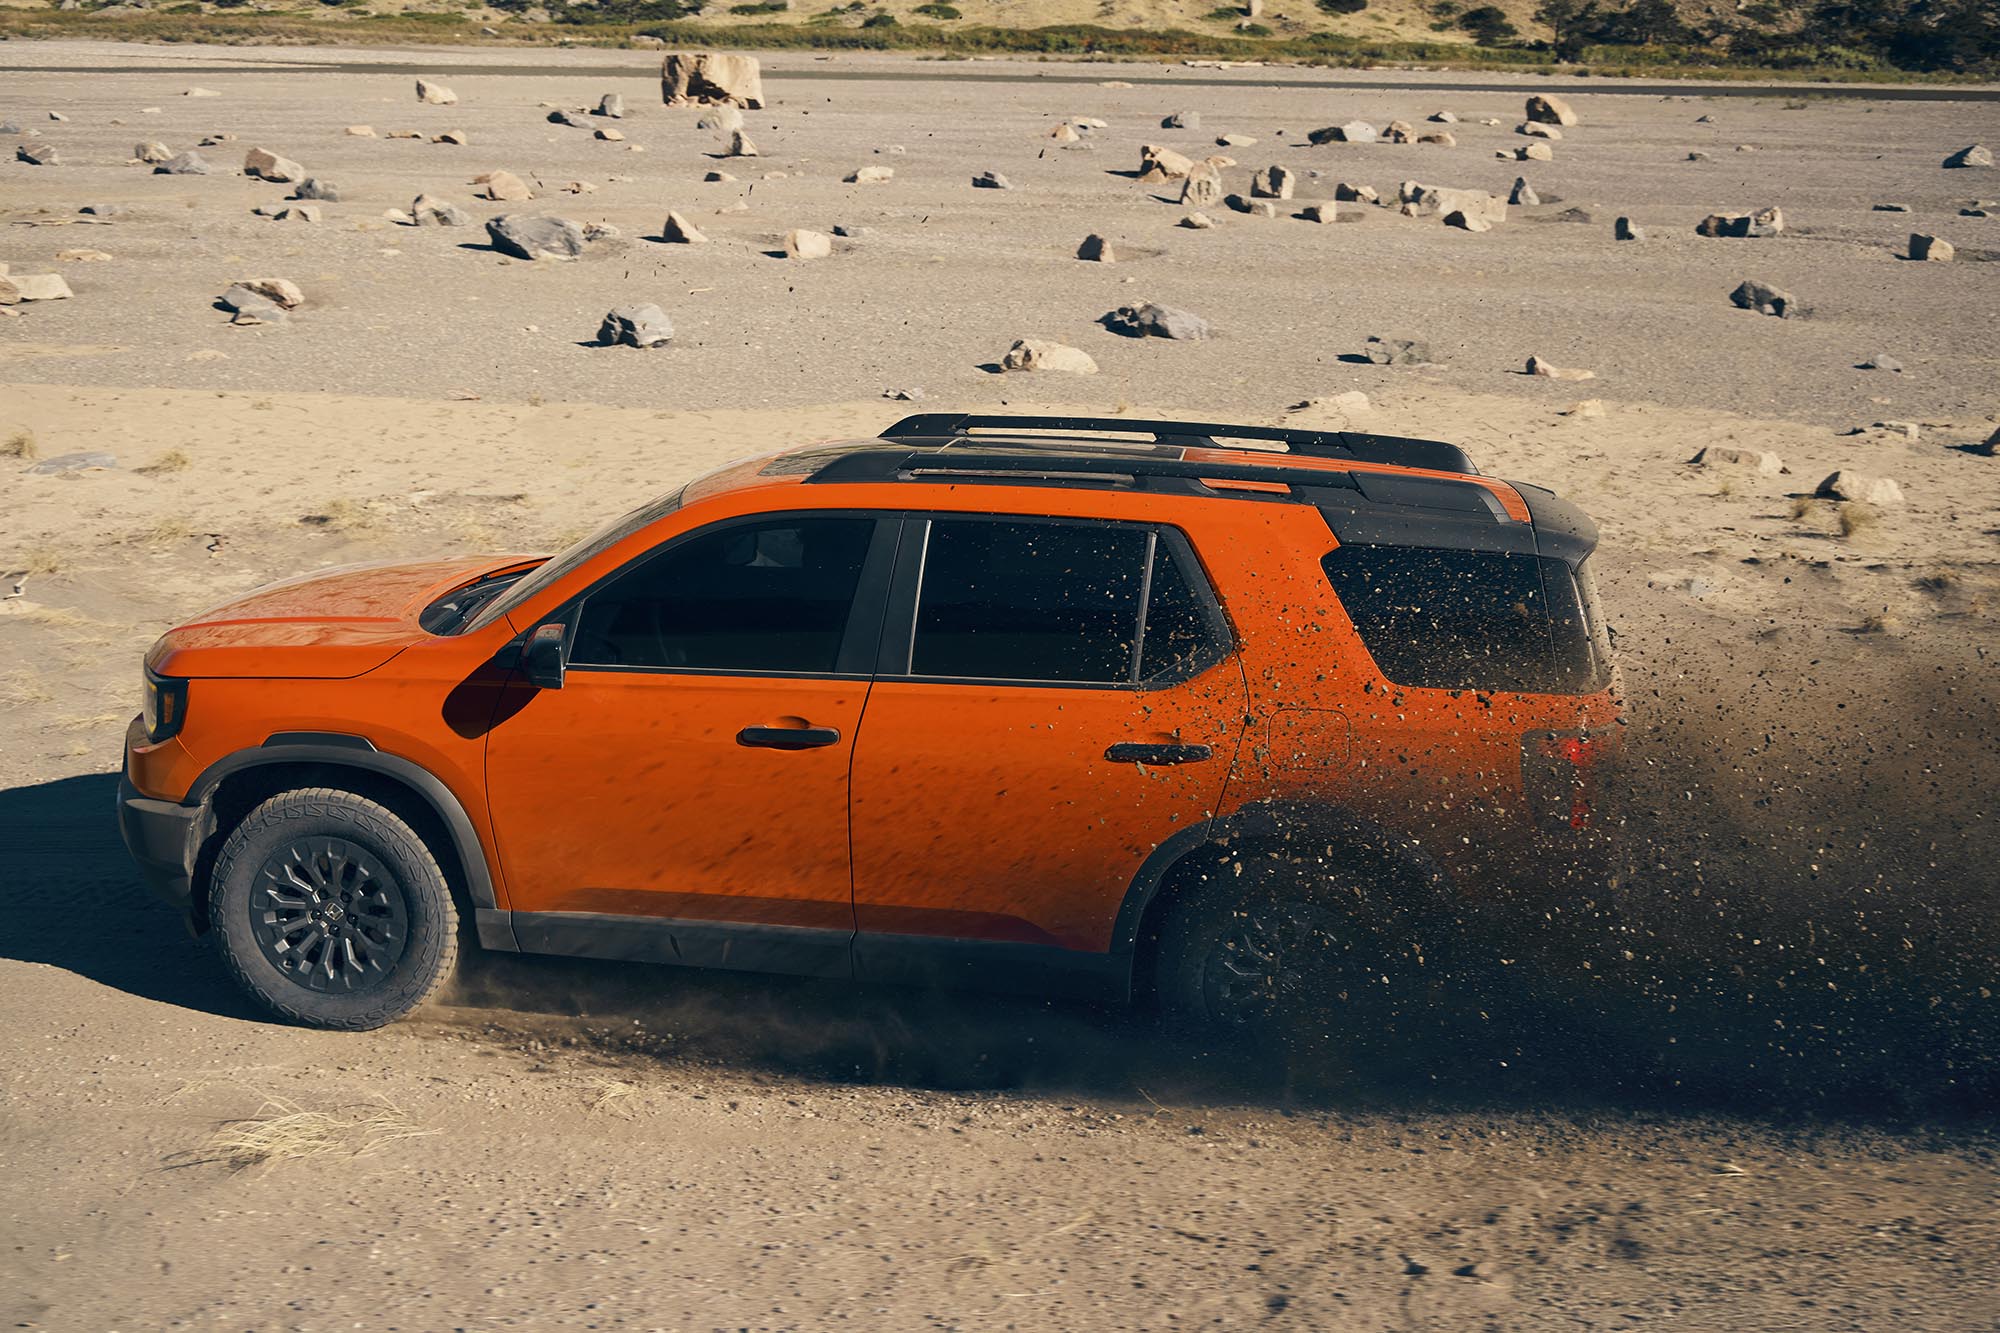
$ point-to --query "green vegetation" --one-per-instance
(762, 7)
(1840, 40)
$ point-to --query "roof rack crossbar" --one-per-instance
(1365, 448)
(890, 464)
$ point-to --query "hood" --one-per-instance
(327, 625)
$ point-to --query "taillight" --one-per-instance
(1555, 776)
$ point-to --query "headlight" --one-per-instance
(164, 706)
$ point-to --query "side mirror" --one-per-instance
(542, 659)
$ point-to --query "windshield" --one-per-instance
(584, 551)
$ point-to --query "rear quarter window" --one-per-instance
(1472, 620)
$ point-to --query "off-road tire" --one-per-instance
(403, 875)
(1329, 991)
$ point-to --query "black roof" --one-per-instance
(949, 428)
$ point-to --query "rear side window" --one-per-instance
(1032, 600)
(753, 597)
(1472, 620)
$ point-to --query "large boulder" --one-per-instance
(1158, 163)
(269, 166)
(1972, 155)
(805, 243)
(503, 187)
(1147, 320)
(18, 287)
(1859, 486)
(312, 187)
(435, 94)
(1203, 186)
(152, 154)
(1933, 248)
(613, 105)
(1397, 351)
(1354, 131)
(721, 119)
(430, 211)
(1273, 183)
(189, 163)
(700, 77)
(38, 154)
(1547, 109)
(1038, 354)
(535, 236)
(677, 230)
(1765, 299)
(636, 326)
(252, 307)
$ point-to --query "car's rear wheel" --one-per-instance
(329, 910)
(1262, 952)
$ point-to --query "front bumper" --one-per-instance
(160, 835)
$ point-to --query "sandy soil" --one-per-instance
(1750, 1100)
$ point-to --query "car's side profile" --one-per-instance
(984, 701)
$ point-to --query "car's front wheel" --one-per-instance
(329, 910)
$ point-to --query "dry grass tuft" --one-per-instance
(613, 1096)
(1940, 580)
(21, 444)
(283, 1132)
(173, 460)
(1856, 517)
(1803, 505)
(40, 560)
(341, 516)
(1879, 623)
(167, 532)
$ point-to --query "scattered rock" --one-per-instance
(1443, 118)
(1257, 208)
(1197, 222)
(1360, 194)
(1524, 194)
(1147, 320)
(1321, 212)
(1546, 109)
(431, 211)
(212, 140)
(1096, 249)
(1764, 222)
(435, 94)
(1538, 131)
(718, 177)
(1532, 152)
(721, 119)
(704, 77)
(18, 287)
(312, 187)
(600, 231)
(1935, 249)
(38, 154)
(803, 243)
(1036, 354)
(613, 106)
(404, 134)
(991, 180)
(677, 230)
(1879, 361)
(85, 461)
(1698, 156)
(1182, 120)
(535, 236)
(636, 326)
(1354, 131)
(152, 153)
(870, 175)
(1892, 208)
(1543, 369)
(1465, 221)
(849, 231)
(503, 186)
(269, 166)
(1065, 133)
(1273, 183)
(1397, 352)
(78, 257)
(904, 395)
(741, 145)
(103, 211)
(1624, 229)
(1439, 139)
(1203, 186)
(1588, 408)
(298, 213)
(1972, 155)
(1159, 163)
(360, 131)
(189, 163)
(1764, 299)
(456, 137)
(1236, 141)
(574, 119)
(251, 307)
(1845, 485)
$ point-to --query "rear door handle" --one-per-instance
(1129, 753)
(788, 738)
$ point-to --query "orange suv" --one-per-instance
(1219, 714)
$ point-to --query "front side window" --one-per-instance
(1032, 600)
(1471, 620)
(766, 597)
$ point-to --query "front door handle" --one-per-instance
(788, 738)
(1129, 753)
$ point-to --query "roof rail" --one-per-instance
(1432, 454)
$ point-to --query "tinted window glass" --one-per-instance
(1029, 601)
(772, 596)
(1476, 620)
(1178, 631)
(617, 530)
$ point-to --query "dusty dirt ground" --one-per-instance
(1745, 1089)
